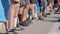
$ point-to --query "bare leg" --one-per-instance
(11, 16)
(20, 10)
(32, 9)
(20, 14)
(25, 11)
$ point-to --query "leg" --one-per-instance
(25, 11)
(11, 15)
(32, 9)
(41, 13)
(20, 14)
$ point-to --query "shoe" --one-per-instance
(59, 28)
(24, 23)
(19, 28)
(33, 21)
(10, 30)
(59, 20)
(48, 14)
(45, 15)
(29, 20)
(33, 18)
(41, 18)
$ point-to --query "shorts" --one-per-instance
(32, 1)
(39, 3)
(16, 1)
(42, 9)
(24, 2)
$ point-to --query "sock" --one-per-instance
(20, 17)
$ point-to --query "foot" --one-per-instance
(59, 20)
(40, 18)
(45, 15)
(19, 28)
(10, 30)
(24, 23)
(59, 28)
(29, 20)
(48, 14)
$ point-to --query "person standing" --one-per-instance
(22, 12)
(42, 8)
(32, 5)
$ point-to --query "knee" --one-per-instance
(13, 6)
(27, 6)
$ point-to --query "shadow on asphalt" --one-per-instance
(55, 21)
(56, 17)
(2, 33)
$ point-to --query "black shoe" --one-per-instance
(24, 23)
(20, 28)
(59, 28)
(17, 25)
(7, 33)
(41, 18)
(45, 15)
(11, 30)
(33, 18)
(59, 20)
(48, 14)
(29, 20)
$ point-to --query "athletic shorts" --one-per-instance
(17, 1)
(24, 2)
(32, 1)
